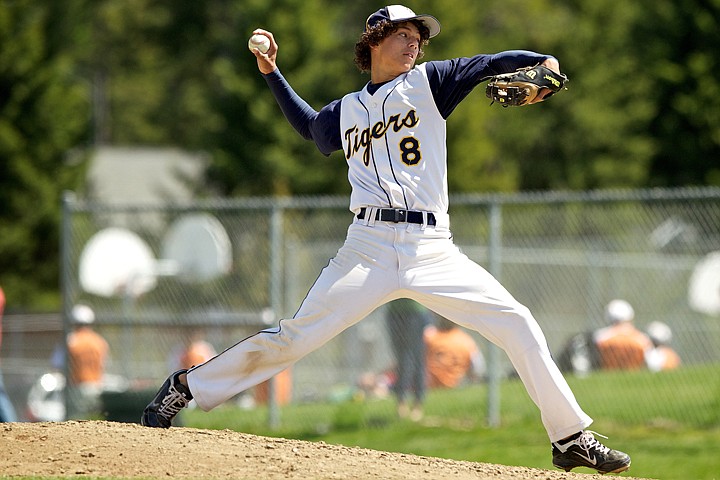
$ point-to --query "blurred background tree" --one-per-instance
(642, 108)
(45, 112)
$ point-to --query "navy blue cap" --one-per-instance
(399, 13)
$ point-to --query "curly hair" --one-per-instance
(375, 34)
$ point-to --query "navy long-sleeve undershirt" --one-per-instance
(450, 82)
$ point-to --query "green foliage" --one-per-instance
(44, 114)
(683, 62)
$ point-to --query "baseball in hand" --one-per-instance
(261, 42)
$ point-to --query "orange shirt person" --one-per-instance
(282, 389)
(87, 350)
(451, 355)
(197, 351)
(662, 356)
(621, 346)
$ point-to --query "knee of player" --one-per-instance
(521, 329)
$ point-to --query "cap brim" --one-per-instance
(430, 22)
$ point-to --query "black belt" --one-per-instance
(398, 215)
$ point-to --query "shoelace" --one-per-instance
(587, 441)
(173, 402)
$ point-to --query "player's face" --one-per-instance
(396, 53)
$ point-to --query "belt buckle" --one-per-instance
(400, 215)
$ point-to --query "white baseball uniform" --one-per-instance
(393, 136)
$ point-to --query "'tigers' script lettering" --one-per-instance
(360, 139)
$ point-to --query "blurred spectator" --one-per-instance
(406, 321)
(452, 355)
(620, 345)
(282, 389)
(376, 385)
(195, 351)
(579, 355)
(7, 412)
(87, 353)
(661, 356)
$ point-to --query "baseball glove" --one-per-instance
(520, 87)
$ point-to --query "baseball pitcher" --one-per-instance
(399, 245)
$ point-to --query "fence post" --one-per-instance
(494, 265)
(66, 247)
(276, 234)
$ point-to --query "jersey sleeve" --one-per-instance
(322, 127)
(453, 80)
(325, 129)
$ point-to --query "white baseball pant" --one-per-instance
(380, 262)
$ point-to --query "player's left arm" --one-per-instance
(452, 80)
(512, 60)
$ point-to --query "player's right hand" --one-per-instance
(266, 61)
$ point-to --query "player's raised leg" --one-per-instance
(351, 286)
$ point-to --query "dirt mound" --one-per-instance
(109, 449)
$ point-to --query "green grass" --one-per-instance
(664, 421)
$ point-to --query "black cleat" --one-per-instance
(170, 399)
(586, 451)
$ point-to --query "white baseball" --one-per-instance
(261, 42)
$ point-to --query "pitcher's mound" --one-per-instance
(109, 449)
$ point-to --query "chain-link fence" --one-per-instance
(228, 268)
